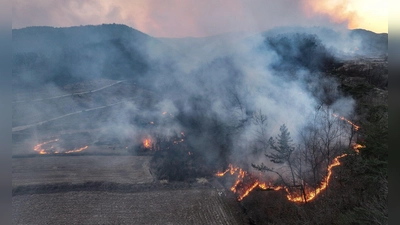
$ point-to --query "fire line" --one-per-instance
(43, 151)
(243, 190)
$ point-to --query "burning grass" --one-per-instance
(47, 147)
(246, 182)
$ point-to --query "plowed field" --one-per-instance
(110, 190)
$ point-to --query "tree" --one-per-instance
(261, 141)
(311, 154)
(282, 145)
(282, 151)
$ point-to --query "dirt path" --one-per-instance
(79, 93)
(20, 128)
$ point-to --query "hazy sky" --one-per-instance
(182, 18)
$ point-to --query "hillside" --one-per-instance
(44, 55)
(90, 102)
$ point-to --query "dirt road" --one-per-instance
(78, 93)
(20, 128)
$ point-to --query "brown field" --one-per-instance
(80, 169)
(111, 190)
(202, 206)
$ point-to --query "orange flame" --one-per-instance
(240, 187)
(38, 148)
(242, 190)
(357, 147)
(356, 127)
(240, 176)
(230, 169)
(77, 150)
(312, 194)
(247, 191)
(147, 143)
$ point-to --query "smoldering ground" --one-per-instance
(214, 97)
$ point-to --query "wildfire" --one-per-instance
(356, 127)
(147, 143)
(230, 169)
(38, 148)
(357, 147)
(240, 177)
(151, 143)
(77, 150)
(310, 195)
(246, 182)
(248, 191)
(49, 150)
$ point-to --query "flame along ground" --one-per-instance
(246, 182)
(49, 150)
(356, 127)
(147, 143)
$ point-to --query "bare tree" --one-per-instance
(329, 134)
(320, 142)
(260, 121)
(311, 153)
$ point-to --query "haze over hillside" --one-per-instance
(278, 110)
(261, 69)
(63, 55)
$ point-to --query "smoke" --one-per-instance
(277, 75)
(215, 95)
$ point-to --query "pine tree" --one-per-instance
(282, 151)
(282, 145)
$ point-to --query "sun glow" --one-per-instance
(183, 18)
(366, 14)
